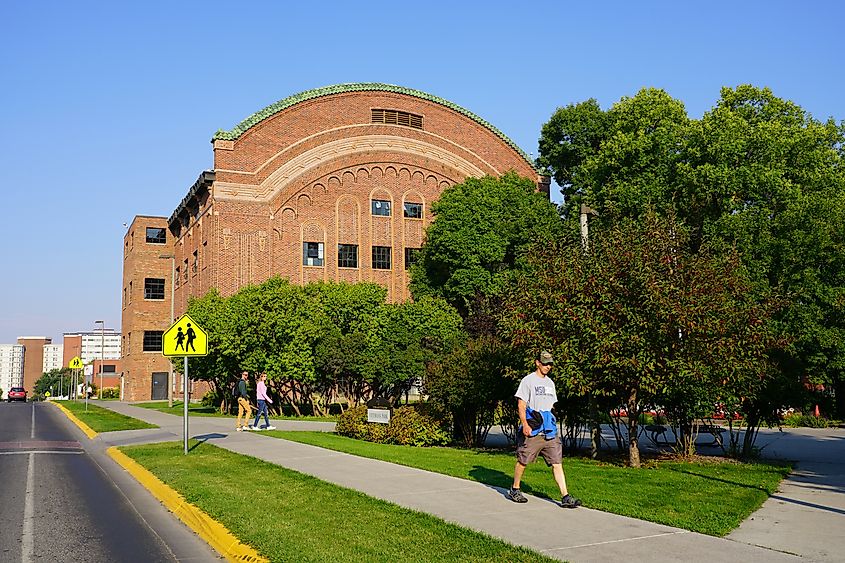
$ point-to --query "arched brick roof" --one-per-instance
(259, 116)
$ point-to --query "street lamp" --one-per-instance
(172, 258)
(102, 353)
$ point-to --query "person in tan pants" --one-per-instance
(244, 408)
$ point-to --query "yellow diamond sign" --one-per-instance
(184, 338)
(75, 363)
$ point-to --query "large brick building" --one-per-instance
(331, 184)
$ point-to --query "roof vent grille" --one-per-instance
(396, 117)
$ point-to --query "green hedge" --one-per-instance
(416, 425)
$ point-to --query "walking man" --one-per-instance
(537, 434)
(244, 408)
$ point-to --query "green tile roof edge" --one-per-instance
(275, 108)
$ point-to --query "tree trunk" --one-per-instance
(595, 427)
(633, 421)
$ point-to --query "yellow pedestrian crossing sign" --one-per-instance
(184, 338)
(75, 363)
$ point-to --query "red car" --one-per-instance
(17, 394)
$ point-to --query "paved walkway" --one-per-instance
(584, 535)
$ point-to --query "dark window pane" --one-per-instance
(381, 207)
(312, 254)
(411, 257)
(381, 257)
(347, 256)
(156, 235)
(413, 210)
(152, 340)
(153, 288)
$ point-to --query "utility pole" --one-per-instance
(595, 424)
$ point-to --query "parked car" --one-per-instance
(17, 394)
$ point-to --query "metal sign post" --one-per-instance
(185, 401)
(184, 338)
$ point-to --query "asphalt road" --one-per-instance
(57, 502)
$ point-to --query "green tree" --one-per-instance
(756, 173)
(53, 381)
(639, 318)
(480, 233)
(472, 381)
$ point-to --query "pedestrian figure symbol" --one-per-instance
(191, 336)
(180, 338)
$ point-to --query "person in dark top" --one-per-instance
(244, 408)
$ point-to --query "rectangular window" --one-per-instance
(413, 210)
(380, 207)
(185, 270)
(411, 257)
(130, 292)
(156, 235)
(347, 256)
(381, 258)
(109, 368)
(196, 262)
(152, 340)
(153, 288)
(312, 254)
(178, 270)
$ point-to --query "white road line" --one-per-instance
(25, 452)
(28, 535)
(32, 432)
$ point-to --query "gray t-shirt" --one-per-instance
(537, 392)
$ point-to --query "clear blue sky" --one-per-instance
(108, 107)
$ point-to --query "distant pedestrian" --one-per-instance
(244, 408)
(537, 434)
(263, 401)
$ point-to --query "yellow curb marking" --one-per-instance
(213, 532)
(82, 426)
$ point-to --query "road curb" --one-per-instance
(82, 426)
(210, 530)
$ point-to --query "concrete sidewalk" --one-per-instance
(583, 535)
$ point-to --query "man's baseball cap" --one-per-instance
(545, 358)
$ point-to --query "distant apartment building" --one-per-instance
(53, 356)
(11, 367)
(92, 345)
(33, 358)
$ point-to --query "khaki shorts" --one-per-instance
(527, 449)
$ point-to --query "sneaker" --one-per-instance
(570, 501)
(239, 429)
(250, 427)
(516, 496)
(269, 428)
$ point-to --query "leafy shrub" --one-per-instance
(409, 425)
(111, 392)
(807, 421)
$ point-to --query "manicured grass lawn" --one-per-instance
(200, 410)
(288, 516)
(711, 496)
(104, 420)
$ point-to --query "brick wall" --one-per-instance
(140, 261)
(308, 174)
(33, 360)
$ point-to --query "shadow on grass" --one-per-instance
(711, 478)
(203, 438)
